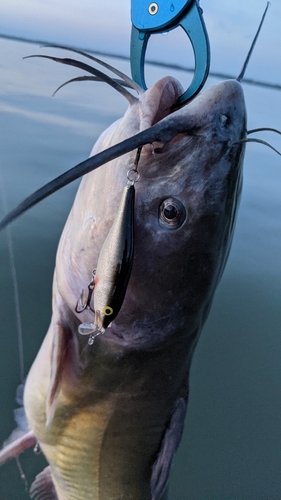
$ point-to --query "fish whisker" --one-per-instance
(262, 129)
(100, 74)
(131, 83)
(88, 78)
(260, 141)
(161, 131)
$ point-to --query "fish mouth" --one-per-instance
(158, 101)
(155, 104)
(218, 111)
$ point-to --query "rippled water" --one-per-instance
(231, 449)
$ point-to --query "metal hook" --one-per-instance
(87, 304)
(133, 174)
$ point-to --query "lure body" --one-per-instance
(114, 267)
(115, 261)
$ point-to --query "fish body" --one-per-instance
(109, 417)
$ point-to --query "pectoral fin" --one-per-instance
(43, 487)
(162, 467)
(16, 444)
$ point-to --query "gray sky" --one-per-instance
(105, 26)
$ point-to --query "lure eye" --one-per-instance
(107, 311)
(172, 213)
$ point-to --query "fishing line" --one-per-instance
(22, 474)
(242, 72)
(14, 281)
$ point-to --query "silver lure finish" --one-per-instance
(115, 262)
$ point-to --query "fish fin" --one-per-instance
(43, 487)
(16, 444)
(162, 467)
(59, 363)
(21, 438)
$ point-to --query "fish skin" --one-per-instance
(111, 408)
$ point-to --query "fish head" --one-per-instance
(186, 203)
(185, 207)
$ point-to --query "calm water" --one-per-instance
(231, 449)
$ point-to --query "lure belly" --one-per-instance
(114, 268)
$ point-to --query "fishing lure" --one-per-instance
(110, 278)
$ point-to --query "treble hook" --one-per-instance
(87, 305)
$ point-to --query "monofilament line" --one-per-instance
(241, 75)
(14, 281)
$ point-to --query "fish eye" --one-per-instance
(172, 213)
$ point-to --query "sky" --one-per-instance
(105, 26)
